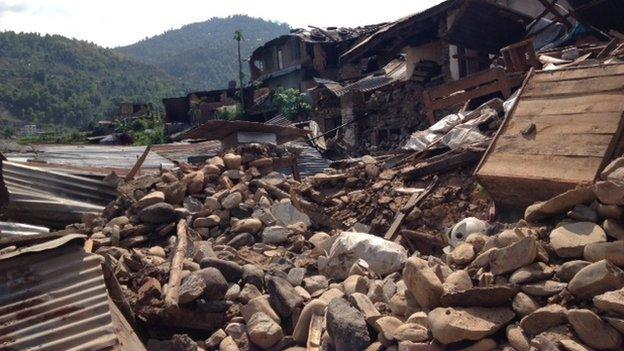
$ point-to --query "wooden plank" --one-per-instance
(137, 166)
(175, 272)
(593, 145)
(411, 203)
(614, 146)
(579, 123)
(578, 73)
(441, 164)
(558, 168)
(508, 115)
(524, 191)
(611, 102)
(592, 85)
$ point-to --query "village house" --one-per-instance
(294, 60)
(201, 106)
(383, 92)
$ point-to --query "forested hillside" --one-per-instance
(53, 79)
(203, 56)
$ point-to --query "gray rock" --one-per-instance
(230, 270)
(275, 235)
(610, 192)
(216, 285)
(543, 319)
(613, 229)
(544, 288)
(531, 273)
(593, 331)
(596, 279)
(514, 256)
(569, 240)
(296, 275)
(264, 331)
(612, 301)
(612, 252)
(254, 275)
(158, 213)
(583, 213)
(346, 326)
(232, 200)
(559, 204)
(242, 239)
(450, 325)
(568, 270)
(523, 304)
(283, 297)
(192, 288)
(315, 283)
(422, 282)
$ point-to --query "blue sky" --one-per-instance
(115, 22)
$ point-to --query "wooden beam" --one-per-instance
(137, 166)
(414, 200)
(442, 163)
(426, 244)
(175, 273)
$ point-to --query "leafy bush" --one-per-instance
(231, 114)
(145, 131)
(291, 103)
(70, 136)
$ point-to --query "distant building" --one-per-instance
(133, 110)
(295, 59)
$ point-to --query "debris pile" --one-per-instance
(228, 256)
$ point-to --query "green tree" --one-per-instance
(292, 104)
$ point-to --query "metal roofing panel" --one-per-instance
(13, 229)
(395, 71)
(53, 199)
(54, 300)
(219, 130)
(98, 157)
(181, 152)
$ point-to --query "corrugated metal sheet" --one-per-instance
(219, 130)
(310, 161)
(279, 120)
(54, 300)
(14, 229)
(53, 199)
(395, 71)
(181, 152)
(100, 159)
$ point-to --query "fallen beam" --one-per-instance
(442, 163)
(175, 275)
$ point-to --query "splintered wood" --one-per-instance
(175, 275)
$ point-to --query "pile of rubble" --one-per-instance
(226, 256)
(368, 195)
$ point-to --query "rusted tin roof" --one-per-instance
(101, 159)
(53, 297)
(219, 130)
(53, 199)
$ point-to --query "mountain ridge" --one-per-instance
(203, 55)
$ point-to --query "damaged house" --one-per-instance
(202, 106)
(295, 59)
(383, 76)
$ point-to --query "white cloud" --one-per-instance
(121, 22)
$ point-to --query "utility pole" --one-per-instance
(238, 36)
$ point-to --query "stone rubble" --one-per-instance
(264, 270)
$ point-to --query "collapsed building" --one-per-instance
(498, 225)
